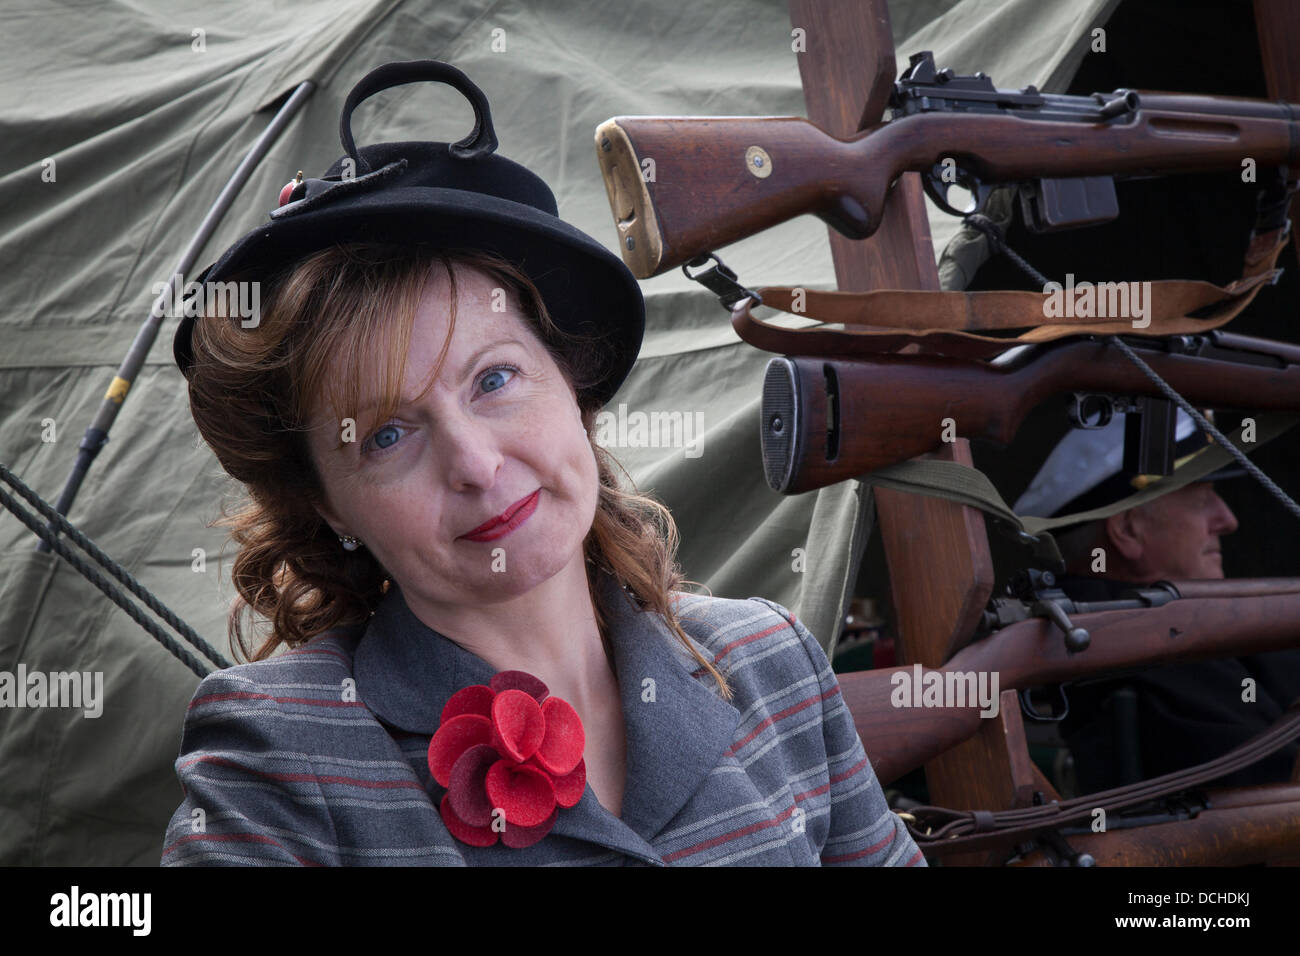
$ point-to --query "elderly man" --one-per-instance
(1164, 718)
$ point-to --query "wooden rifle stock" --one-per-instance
(899, 736)
(827, 420)
(682, 186)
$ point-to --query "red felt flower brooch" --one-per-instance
(510, 756)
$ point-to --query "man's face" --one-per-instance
(498, 434)
(1179, 534)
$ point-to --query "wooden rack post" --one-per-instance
(937, 551)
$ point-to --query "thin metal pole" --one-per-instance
(97, 434)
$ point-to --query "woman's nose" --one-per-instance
(469, 452)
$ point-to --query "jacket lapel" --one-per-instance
(406, 671)
(677, 728)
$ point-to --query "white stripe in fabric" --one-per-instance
(770, 738)
(308, 792)
(197, 849)
(600, 860)
(797, 689)
(750, 851)
(221, 716)
(900, 847)
(299, 756)
(312, 843)
(730, 814)
(720, 637)
(861, 838)
(266, 688)
(749, 654)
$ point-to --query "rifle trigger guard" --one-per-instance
(1027, 707)
(940, 178)
(1090, 411)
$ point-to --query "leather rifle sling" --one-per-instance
(967, 830)
(951, 323)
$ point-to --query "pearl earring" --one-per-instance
(349, 543)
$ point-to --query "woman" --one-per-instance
(491, 662)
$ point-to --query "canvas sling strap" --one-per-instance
(964, 830)
(956, 323)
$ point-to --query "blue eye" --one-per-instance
(378, 439)
(496, 378)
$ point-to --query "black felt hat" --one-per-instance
(451, 195)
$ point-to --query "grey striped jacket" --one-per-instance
(319, 756)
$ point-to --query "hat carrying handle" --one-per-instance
(481, 141)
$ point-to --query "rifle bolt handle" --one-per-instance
(1077, 639)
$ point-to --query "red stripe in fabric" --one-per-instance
(845, 857)
(780, 715)
(836, 779)
(306, 777)
(811, 793)
(745, 640)
(917, 856)
(728, 837)
(851, 771)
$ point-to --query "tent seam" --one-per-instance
(181, 178)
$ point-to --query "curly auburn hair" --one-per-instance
(251, 393)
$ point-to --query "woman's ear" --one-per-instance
(336, 529)
(327, 515)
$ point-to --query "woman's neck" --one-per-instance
(551, 632)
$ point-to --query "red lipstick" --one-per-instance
(507, 521)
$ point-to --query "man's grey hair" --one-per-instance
(1078, 540)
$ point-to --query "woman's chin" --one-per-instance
(513, 578)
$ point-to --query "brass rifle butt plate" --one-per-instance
(639, 239)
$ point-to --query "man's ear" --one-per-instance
(1126, 535)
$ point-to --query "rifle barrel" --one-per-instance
(1236, 588)
(1285, 351)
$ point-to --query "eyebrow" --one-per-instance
(473, 360)
(465, 370)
